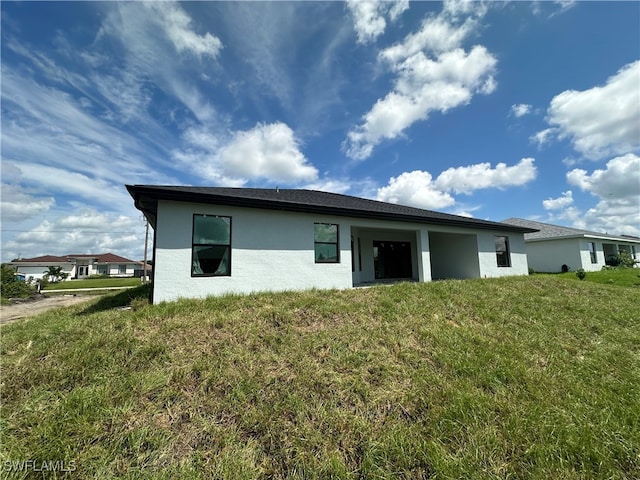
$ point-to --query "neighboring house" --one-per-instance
(78, 266)
(213, 241)
(553, 246)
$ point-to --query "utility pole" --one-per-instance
(146, 240)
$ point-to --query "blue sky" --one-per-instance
(483, 109)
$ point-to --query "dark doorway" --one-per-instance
(392, 259)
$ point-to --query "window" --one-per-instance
(122, 269)
(102, 270)
(502, 251)
(325, 238)
(211, 250)
(592, 252)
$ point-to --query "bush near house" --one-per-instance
(621, 260)
(12, 287)
(530, 377)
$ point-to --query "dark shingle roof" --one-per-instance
(548, 231)
(299, 200)
(43, 259)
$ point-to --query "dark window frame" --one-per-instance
(194, 245)
(336, 243)
(593, 252)
(503, 257)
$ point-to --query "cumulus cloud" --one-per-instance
(520, 110)
(618, 180)
(419, 189)
(266, 152)
(481, 176)
(618, 191)
(436, 35)
(86, 231)
(433, 74)
(423, 86)
(416, 189)
(369, 17)
(563, 201)
(601, 121)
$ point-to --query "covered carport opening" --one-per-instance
(453, 255)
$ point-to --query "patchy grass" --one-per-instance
(94, 283)
(532, 378)
(624, 277)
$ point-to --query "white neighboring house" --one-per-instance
(78, 266)
(553, 246)
(213, 241)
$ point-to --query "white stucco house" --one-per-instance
(214, 240)
(552, 246)
(77, 266)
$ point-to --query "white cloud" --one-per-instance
(158, 42)
(369, 17)
(520, 110)
(423, 86)
(562, 202)
(419, 189)
(415, 189)
(436, 35)
(178, 27)
(92, 189)
(621, 179)
(18, 205)
(604, 120)
(618, 190)
(481, 176)
(268, 152)
(544, 136)
(433, 74)
(87, 231)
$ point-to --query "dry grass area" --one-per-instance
(531, 378)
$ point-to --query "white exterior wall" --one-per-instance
(38, 271)
(550, 255)
(585, 256)
(270, 250)
(274, 251)
(487, 255)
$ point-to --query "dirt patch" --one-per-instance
(9, 313)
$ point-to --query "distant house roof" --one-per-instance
(104, 258)
(298, 200)
(547, 231)
(42, 259)
(99, 258)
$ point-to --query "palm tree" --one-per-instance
(54, 274)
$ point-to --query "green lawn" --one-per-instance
(520, 378)
(626, 277)
(94, 283)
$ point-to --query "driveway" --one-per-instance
(9, 313)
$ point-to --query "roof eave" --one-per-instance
(146, 201)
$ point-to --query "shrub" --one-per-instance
(621, 260)
(564, 268)
(581, 274)
(11, 287)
